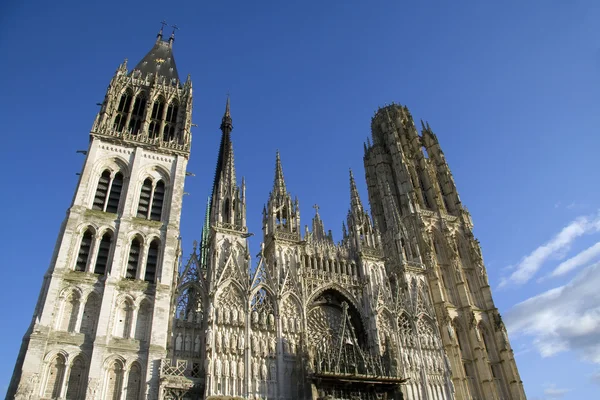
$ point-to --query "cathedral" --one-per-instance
(400, 308)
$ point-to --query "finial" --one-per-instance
(227, 110)
(279, 182)
(162, 27)
(316, 207)
(172, 38)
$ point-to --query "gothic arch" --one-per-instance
(115, 163)
(266, 287)
(54, 375)
(84, 226)
(336, 287)
(226, 285)
(155, 172)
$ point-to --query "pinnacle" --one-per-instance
(355, 202)
(279, 182)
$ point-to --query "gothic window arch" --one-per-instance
(114, 380)
(55, 377)
(171, 121)
(104, 248)
(123, 319)
(142, 325)
(84, 250)
(123, 110)
(137, 113)
(133, 260)
(152, 196)
(76, 380)
(134, 379)
(108, 191)
(152, 261)
(156, 117)
(91, 311)
(70, 312)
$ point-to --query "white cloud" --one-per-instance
(552, 392)
(564, 318)
(583, 258)
(555, 248)
(595, 378)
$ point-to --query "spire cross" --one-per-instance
(162, 25)
(316, 207)
(175, 28)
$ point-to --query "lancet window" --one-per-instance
(124, 317)
(103, 253)
(152, 261)
(123, 110)
(137, 114)
(170, 122)
(84, 251)
(156, 118)
(70, 311)
(55, 377)
(142, 325)
(114, 382)
(133, 260)
(133, 382)
(90, 315)
(76, 379)
(152, 196)
(108, 192)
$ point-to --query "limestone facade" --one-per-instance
(399, 308)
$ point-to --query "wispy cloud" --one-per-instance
(585, 257)
(564, 318)
(555, 247)
(552, 392)
(595, 378)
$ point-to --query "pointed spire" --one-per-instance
(279, 182)
(354, 197)
(226, 121)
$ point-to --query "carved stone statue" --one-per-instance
(264, 374)
(255, 317)
(240, 369)
(233, 368)
(271, 321)
(255, 369)
(197, 344)
(208, 366)
(209, 338)
(178, 342)
(188, 343)
(234, 316)
(241, 343)
(226, 366)
(218, 367)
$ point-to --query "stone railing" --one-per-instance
(167, 368)
(143, 138)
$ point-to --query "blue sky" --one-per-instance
(510, 88)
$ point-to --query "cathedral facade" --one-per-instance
(400, 308)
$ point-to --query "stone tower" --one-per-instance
(427, 236)
(102, 321)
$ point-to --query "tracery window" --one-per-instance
(170, 122)
(123, 110)
(152, 196)
(84, 251)
(137, 114)
(108, 192)
(55, 377)
(133, 260)
(156, 118)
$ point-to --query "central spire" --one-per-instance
(225, 164)
(279, 183)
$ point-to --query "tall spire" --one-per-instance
(355, 202)
(279, 182)
(159, 61)
(225, 163)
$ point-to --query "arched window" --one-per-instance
(70, 311)
(152, 261)
(84, 251)
(103, 253)
(170, 122)
(156, 118)
(226, 212)
(108, 192)
(76, 379)
(157, 201)
(123, 319)
(90, 315)
(133, 383)
(114, 381)
(151, 200)
(123, 110)
(102, 191)
(142, 324)
(54, 380)
(134, 258)
(137, 114)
